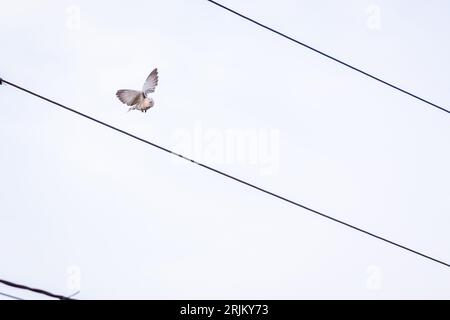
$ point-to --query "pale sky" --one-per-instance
(83, 207)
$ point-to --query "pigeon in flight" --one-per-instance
(140, 100)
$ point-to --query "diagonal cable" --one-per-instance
(228, 175)
(40, 291)
(331, 57)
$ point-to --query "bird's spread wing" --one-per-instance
(151, 82)
(129, 97)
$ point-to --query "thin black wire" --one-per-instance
(74, 294)
(10, 296)
(329, 56)
(40, 291)
(228, 176)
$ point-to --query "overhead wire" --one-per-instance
(351, 226)
(10, 296)
(348, 65)
(36, 290)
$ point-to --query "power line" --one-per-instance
(228, 175)
(17, 298)
(330, 57)
(74, 294)
(10, 296)
(40, 291)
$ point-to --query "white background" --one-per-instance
(83, 207)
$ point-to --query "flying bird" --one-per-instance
(140, 100)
